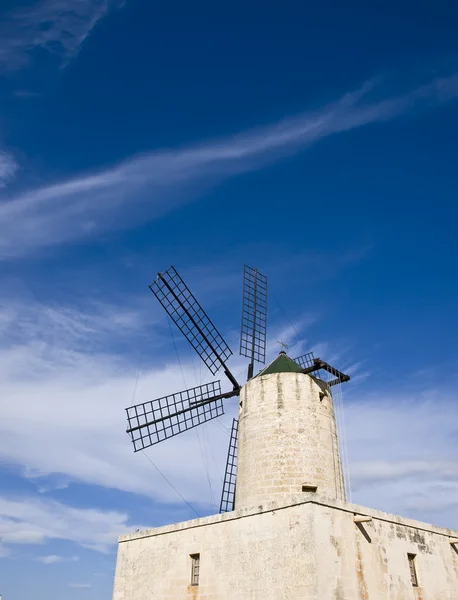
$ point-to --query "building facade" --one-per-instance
(292, 535)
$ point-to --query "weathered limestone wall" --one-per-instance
(287, 438)
(369, 561)
(310, 550)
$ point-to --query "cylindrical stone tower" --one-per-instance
(287, 438)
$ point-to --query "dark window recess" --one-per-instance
(413, 570)
(307, 487)
(195, 568)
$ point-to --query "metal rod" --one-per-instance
(250, 371)
(228, 374)
(336, 381)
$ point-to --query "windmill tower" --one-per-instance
(285, 439)
(285, 530)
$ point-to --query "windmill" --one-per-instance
(155, 421)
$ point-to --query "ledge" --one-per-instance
(289, 502)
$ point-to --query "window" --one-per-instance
(413, 571)
(195, 567)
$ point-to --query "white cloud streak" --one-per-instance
(8, 168)
(26, 521)
(56, 27)
(403, 449)
(52, 559)
(19, 321)
(146, 187)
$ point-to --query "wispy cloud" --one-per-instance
(56, 27)
(37, 28)
(88, 324)
(404, 453)
(26, 521)
(155, 183)
(80, 586)
(8, 168)
(52, 559)
(62, 363)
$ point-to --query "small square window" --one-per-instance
(195, 568)
(413, 570)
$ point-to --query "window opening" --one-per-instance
(195, 568)
(413, 570)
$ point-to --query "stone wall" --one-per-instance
(287, 438)
(310, 549)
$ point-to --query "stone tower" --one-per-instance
(287, 441)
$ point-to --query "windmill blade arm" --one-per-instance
(221, 396)
(233, 380)
(194, 323)
(152, 422)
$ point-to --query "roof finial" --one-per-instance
(284, 347)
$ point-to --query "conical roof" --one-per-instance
(282, 364)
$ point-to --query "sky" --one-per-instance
(316, 143)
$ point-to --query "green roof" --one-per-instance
(282, 364)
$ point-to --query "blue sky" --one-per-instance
(317, 143)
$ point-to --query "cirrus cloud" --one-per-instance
(8, 168)
(146, 187)
(55, 27)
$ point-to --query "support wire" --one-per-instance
(143, 451)
(171, 484)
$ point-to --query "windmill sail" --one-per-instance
(186, 312)
(254, 317)
(228, 494)
(160, 419)
(306, 360)
(321, 369)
